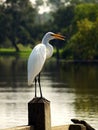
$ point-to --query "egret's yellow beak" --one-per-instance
(58, 36)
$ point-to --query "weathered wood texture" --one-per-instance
(69, 127)
(20, 128)
(77, 127)
(39, 114)
(63, 127)
(39, 118)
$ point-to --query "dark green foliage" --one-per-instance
(20, 23)
(16, 18)
(83, 43)
(63, 17)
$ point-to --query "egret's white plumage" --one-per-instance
(39, 54)
(36, 61)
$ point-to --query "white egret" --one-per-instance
(38, 56)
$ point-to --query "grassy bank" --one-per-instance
(24, 51)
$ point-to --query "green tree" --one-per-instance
(84, 44)
(62, 22)
(63, 17)
(18, 17)
(2, 24)
(82, 1)
(89, 11)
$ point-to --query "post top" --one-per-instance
(39, 100)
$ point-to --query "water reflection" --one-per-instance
(12, 72)
(71, 88)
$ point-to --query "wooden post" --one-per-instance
(39, 114)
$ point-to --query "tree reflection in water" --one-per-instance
(71, 88)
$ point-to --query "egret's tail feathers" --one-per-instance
(30, 79)
(30, 82)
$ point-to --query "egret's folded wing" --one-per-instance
(36, 61)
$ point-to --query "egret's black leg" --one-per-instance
(35, 87)
(39, 85)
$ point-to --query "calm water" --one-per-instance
(72, 89)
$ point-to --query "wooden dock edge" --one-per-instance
(62, 127)
(20, 128)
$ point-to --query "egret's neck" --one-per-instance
(49, 48)
(45, 40)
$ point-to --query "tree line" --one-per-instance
(20, 22)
